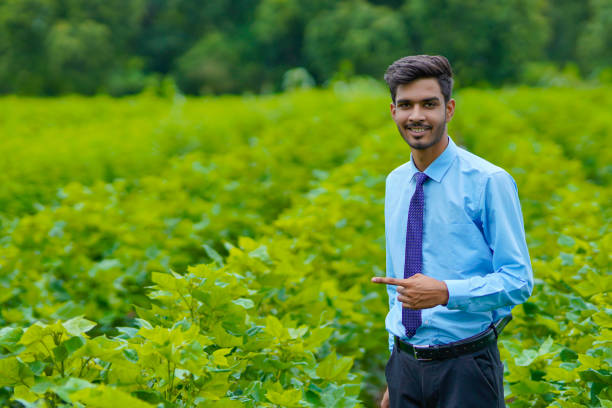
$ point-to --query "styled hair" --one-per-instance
(413, 67)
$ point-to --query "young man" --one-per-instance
(457, 261)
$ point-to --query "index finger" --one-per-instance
(388, 281)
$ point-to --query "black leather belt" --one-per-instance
(457, 348)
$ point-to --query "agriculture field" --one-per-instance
(218, 251)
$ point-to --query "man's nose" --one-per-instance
(416, 114)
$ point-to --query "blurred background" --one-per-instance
(101, 194)
(121, 47)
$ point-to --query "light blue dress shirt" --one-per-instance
(473, 240)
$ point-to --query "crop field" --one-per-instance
(217, 252)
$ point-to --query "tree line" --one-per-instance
(51, 47)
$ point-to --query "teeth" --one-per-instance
(418, 130)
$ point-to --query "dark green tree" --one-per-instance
(486, 41)
(24, 26)
(278, 30)
(117, 46)
(595, 42)
(567, 19)
(172, 27)
(218, 64)
(355, 37)
(122, 17)
(80, 57)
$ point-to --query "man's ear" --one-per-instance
(450, 110)
(392, 106)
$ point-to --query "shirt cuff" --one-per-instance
(458, 293)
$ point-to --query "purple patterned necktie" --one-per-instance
(411, 319)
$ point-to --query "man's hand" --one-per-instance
(384, 403)
(418, 291)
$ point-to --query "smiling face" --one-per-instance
(421, 115)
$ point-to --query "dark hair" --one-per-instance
(413, 67)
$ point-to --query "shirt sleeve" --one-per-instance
(511, 281)
(391, 291)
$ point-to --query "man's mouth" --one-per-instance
(418, 129)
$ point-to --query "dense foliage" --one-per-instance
(51, 47)
(218, 252)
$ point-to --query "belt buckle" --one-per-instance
(415, 353)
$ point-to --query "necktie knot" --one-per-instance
(420, 178)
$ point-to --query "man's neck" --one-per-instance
(423, 158)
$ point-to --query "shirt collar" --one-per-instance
(438, 168)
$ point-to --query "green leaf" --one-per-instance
(223, 338)
(566, 259)
(332, 368)
(37, 367)
(9, 371)
(603, 318)
(42, 385)
(224, 402)
(546, 349)
(549, 347)
(78, 326)
(9, 336)
(605, 403)
(588, 288)
(107, 397)
(152, 397)
(70, 386)
(214, 255)
(219, 357)
(127, 332)
(130, 355)
(566, 240)
(274, 327)
(261, 253)
(286, 398)
(34, 333)
(568, 355)
(317, 337)
(216, 387)
(68, 311)
(561, 374)
(335, 396)
(74, 343)
(60, 353)
(598, 376)
(587, 361)
(527, 387)
(164, 280)
(246, 303)
(297, 333)
(143, 323)
(67, 348)
(526, 358)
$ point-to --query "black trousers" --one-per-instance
(468, 381)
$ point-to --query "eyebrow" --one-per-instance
(432, 99)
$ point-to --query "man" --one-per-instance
(457, 261)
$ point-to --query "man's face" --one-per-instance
(421, 115)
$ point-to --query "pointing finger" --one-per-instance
(388, 281)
